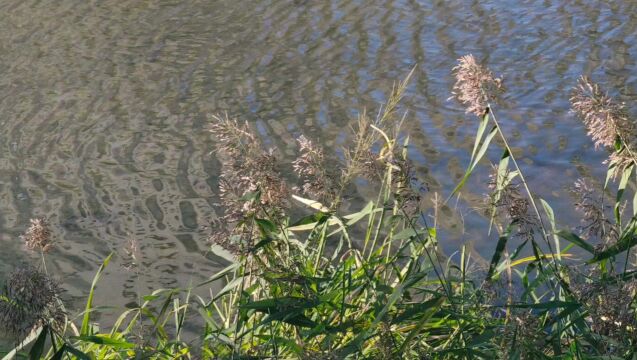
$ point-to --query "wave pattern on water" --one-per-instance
(104, 105)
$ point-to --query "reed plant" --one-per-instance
(306, 280)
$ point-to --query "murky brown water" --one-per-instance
(104, 106)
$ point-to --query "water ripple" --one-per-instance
(105, 104)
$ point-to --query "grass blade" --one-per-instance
(84, 330)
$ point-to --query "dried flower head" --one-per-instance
(475, 85)
(246, 169)
(595, 223)
(607, 123)
(604, 118)
(38, 236)
(508, 204)
(131, 254)
(360, 159)
(226, 240)
(318, 181)
(30, 299)
(406, 185)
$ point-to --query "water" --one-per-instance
(104, 107)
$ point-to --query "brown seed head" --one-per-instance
(509, 204)
(607, 123)
(590, 205)
(475, 85)
(318, 181)
(605, 119)
(38, 236)
(246, 169)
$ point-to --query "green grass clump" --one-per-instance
(305, 280)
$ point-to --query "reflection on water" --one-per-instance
(104, 106)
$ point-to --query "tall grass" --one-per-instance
(307, 281)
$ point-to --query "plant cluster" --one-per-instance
(305, 281)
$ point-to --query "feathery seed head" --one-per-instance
(509, 204)
(475, 85)
(607, 123)
(318, 181)
(595, 223)
(605, 119)
(246, 169)
(38, 236)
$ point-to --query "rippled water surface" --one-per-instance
(104, 107)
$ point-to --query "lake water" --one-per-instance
(104, 107)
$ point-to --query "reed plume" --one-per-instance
(594, 221)
(247, 169)
(610, 303)
(407, 187)
(318, 180)
(607, 123)
(38, 236)
(250, 185)
(230, 242)
(509, 204)
(605, 119)
(132, 255)
(360, 159)
(475, 85)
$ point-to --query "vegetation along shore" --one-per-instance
(306, 279)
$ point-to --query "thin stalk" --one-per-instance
(44, 263)
(439, 273)
(386, 195)
(372, 216)
(545, 233)
(321, 247)
(240, 296)
(524, 183)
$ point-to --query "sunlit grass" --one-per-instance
(307, 281)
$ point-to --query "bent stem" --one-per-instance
(521, 174)
(545, 233)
